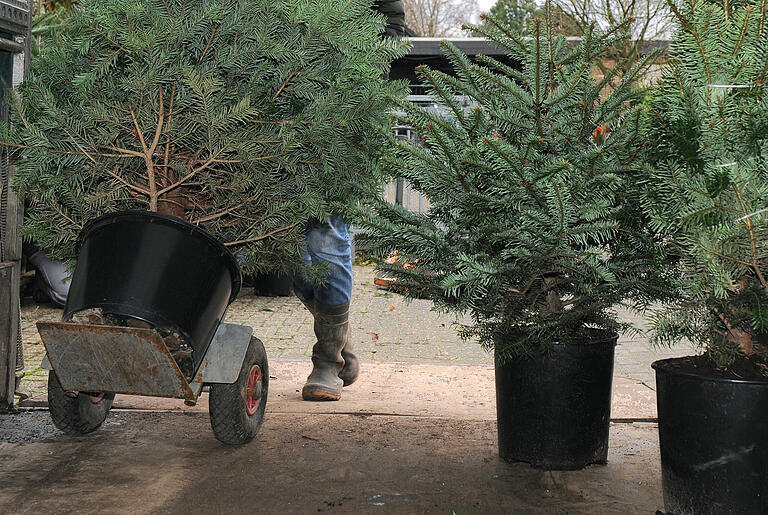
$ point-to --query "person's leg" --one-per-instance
(351, 370)
(302, 287)
(334, 364)
(328, 245)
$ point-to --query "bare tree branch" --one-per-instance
(439, 18)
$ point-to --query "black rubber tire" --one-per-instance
(226, 402)
(76, 415)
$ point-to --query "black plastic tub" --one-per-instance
(157, 269)
(554, 410)
(713, 435)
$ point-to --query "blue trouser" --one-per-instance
(327, 244)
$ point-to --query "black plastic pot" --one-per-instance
(713, 435)
(274, 284)
(158, 269)
(554, 410)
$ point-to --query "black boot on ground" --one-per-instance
(351, 370)
(332, 332)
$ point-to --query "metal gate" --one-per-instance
(400, 191)
(15, 25)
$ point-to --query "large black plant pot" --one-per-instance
(157, 269)
(554, 410)
(713, 435)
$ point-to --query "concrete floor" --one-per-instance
(416, 433)
(160, 462)
(404, 439)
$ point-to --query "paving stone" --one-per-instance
(385, 328)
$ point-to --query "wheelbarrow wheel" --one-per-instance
(237, 409)
(78, 415)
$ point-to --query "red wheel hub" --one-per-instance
(253, 390)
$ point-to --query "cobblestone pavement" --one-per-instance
(384, 329)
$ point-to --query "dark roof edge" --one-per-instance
(473, 46)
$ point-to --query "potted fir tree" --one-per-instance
(194, 128)
(243, 118)
(528, 229)
(707, 196)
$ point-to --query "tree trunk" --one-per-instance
(744, 339)
(173, 203)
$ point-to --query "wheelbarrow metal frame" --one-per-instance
(94, 358)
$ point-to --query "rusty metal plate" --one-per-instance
(224, 357)
(98, 358)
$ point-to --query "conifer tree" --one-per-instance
(246, 117)
(529, 230)
(515, 14)
(708, 193)
(49, 6)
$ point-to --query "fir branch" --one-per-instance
(537, 92)
(528, 186)
(752, 238)
(761, 77)
(723, 256)
(497, 81)
(166, 157)
(159, 128)
(192, 173)
(737, 46)
(561, 210)
(263, 236)
(114, 43)
(550, 75)
(695, 33)
(56, 208)
(222, 213)
(208, 44)
(505, 31)
(574, 84)
(61, 152)
(284, 85)
(123, 151)
(82, 150)
(133, 187)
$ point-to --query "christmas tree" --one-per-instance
(708, 193)
(514, 14)
(246, 117)
(529, 230)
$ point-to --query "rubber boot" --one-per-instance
(332, 332)
(351, 370)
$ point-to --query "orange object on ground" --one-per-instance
(389, 282)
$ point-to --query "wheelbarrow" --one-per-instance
(144, 317)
